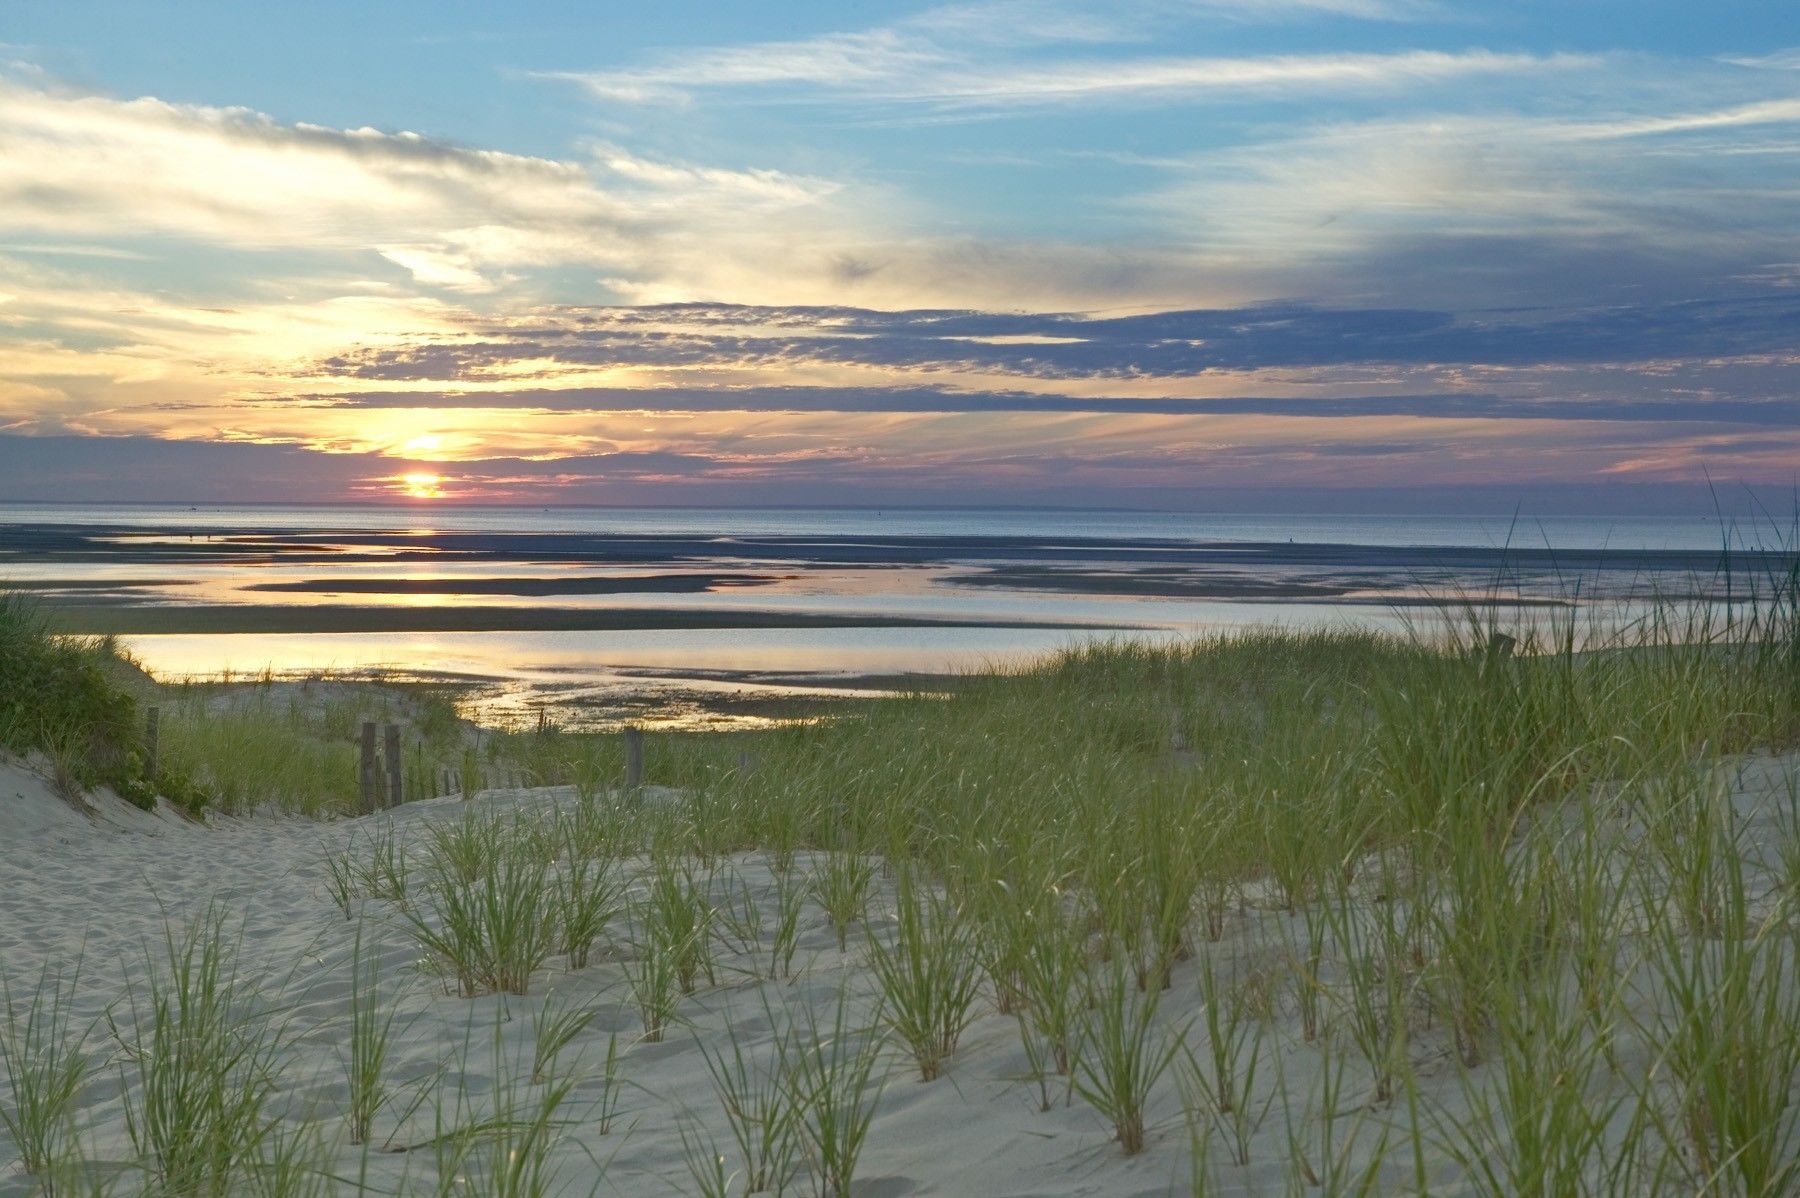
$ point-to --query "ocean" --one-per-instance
(691, 616)
(1562, 532)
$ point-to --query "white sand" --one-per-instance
(101, 888)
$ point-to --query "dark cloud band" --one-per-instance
(1777, 413)
(1067, 346)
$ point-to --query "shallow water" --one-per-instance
(1562, 532)
(1057, 572)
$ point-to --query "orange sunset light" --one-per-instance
(422, 484)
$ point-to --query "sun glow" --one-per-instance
(422, 485)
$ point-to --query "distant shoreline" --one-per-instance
(248, 543)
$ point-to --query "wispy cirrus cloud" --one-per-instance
(991, 56)
(1784, 111)
(1664, 199)
(944, 53)
(1776, 60)
(883, 67)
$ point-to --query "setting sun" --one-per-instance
(422, 485)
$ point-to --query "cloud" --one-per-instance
(1777, 60)
(1662, 201)
(836, 60)
(1764, 112)
(944, 400)
(1370, 264)
(965, 56)
(1368, 211)
(939, 54)
(1074, 346)
(1366, 473)
(77, 251)
(363, 209)
(1364, 10)
(1159, 80)
(83, 164)
(75, 166)
(884, 67)
(437, 267)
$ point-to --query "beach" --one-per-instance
(1132, 920)
(103, 892)
(992, 598)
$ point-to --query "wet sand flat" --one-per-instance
(270, 618)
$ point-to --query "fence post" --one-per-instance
(634, 758)
(396, 768)
(368, 766)
(152, 731)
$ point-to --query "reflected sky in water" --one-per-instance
(590, 670)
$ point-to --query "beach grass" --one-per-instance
(929, 975)
(756, 1098)
(490, 932)
(206, 1055)
(834, 1080)
(43, 1051)
(371, 1040)
(235, 760)
(1475, 908)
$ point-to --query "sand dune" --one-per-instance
(100, 889)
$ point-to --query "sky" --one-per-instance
(1407, 255)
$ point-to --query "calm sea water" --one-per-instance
(589, 670)
(1561, 532)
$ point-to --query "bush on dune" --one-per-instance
(58, 697)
